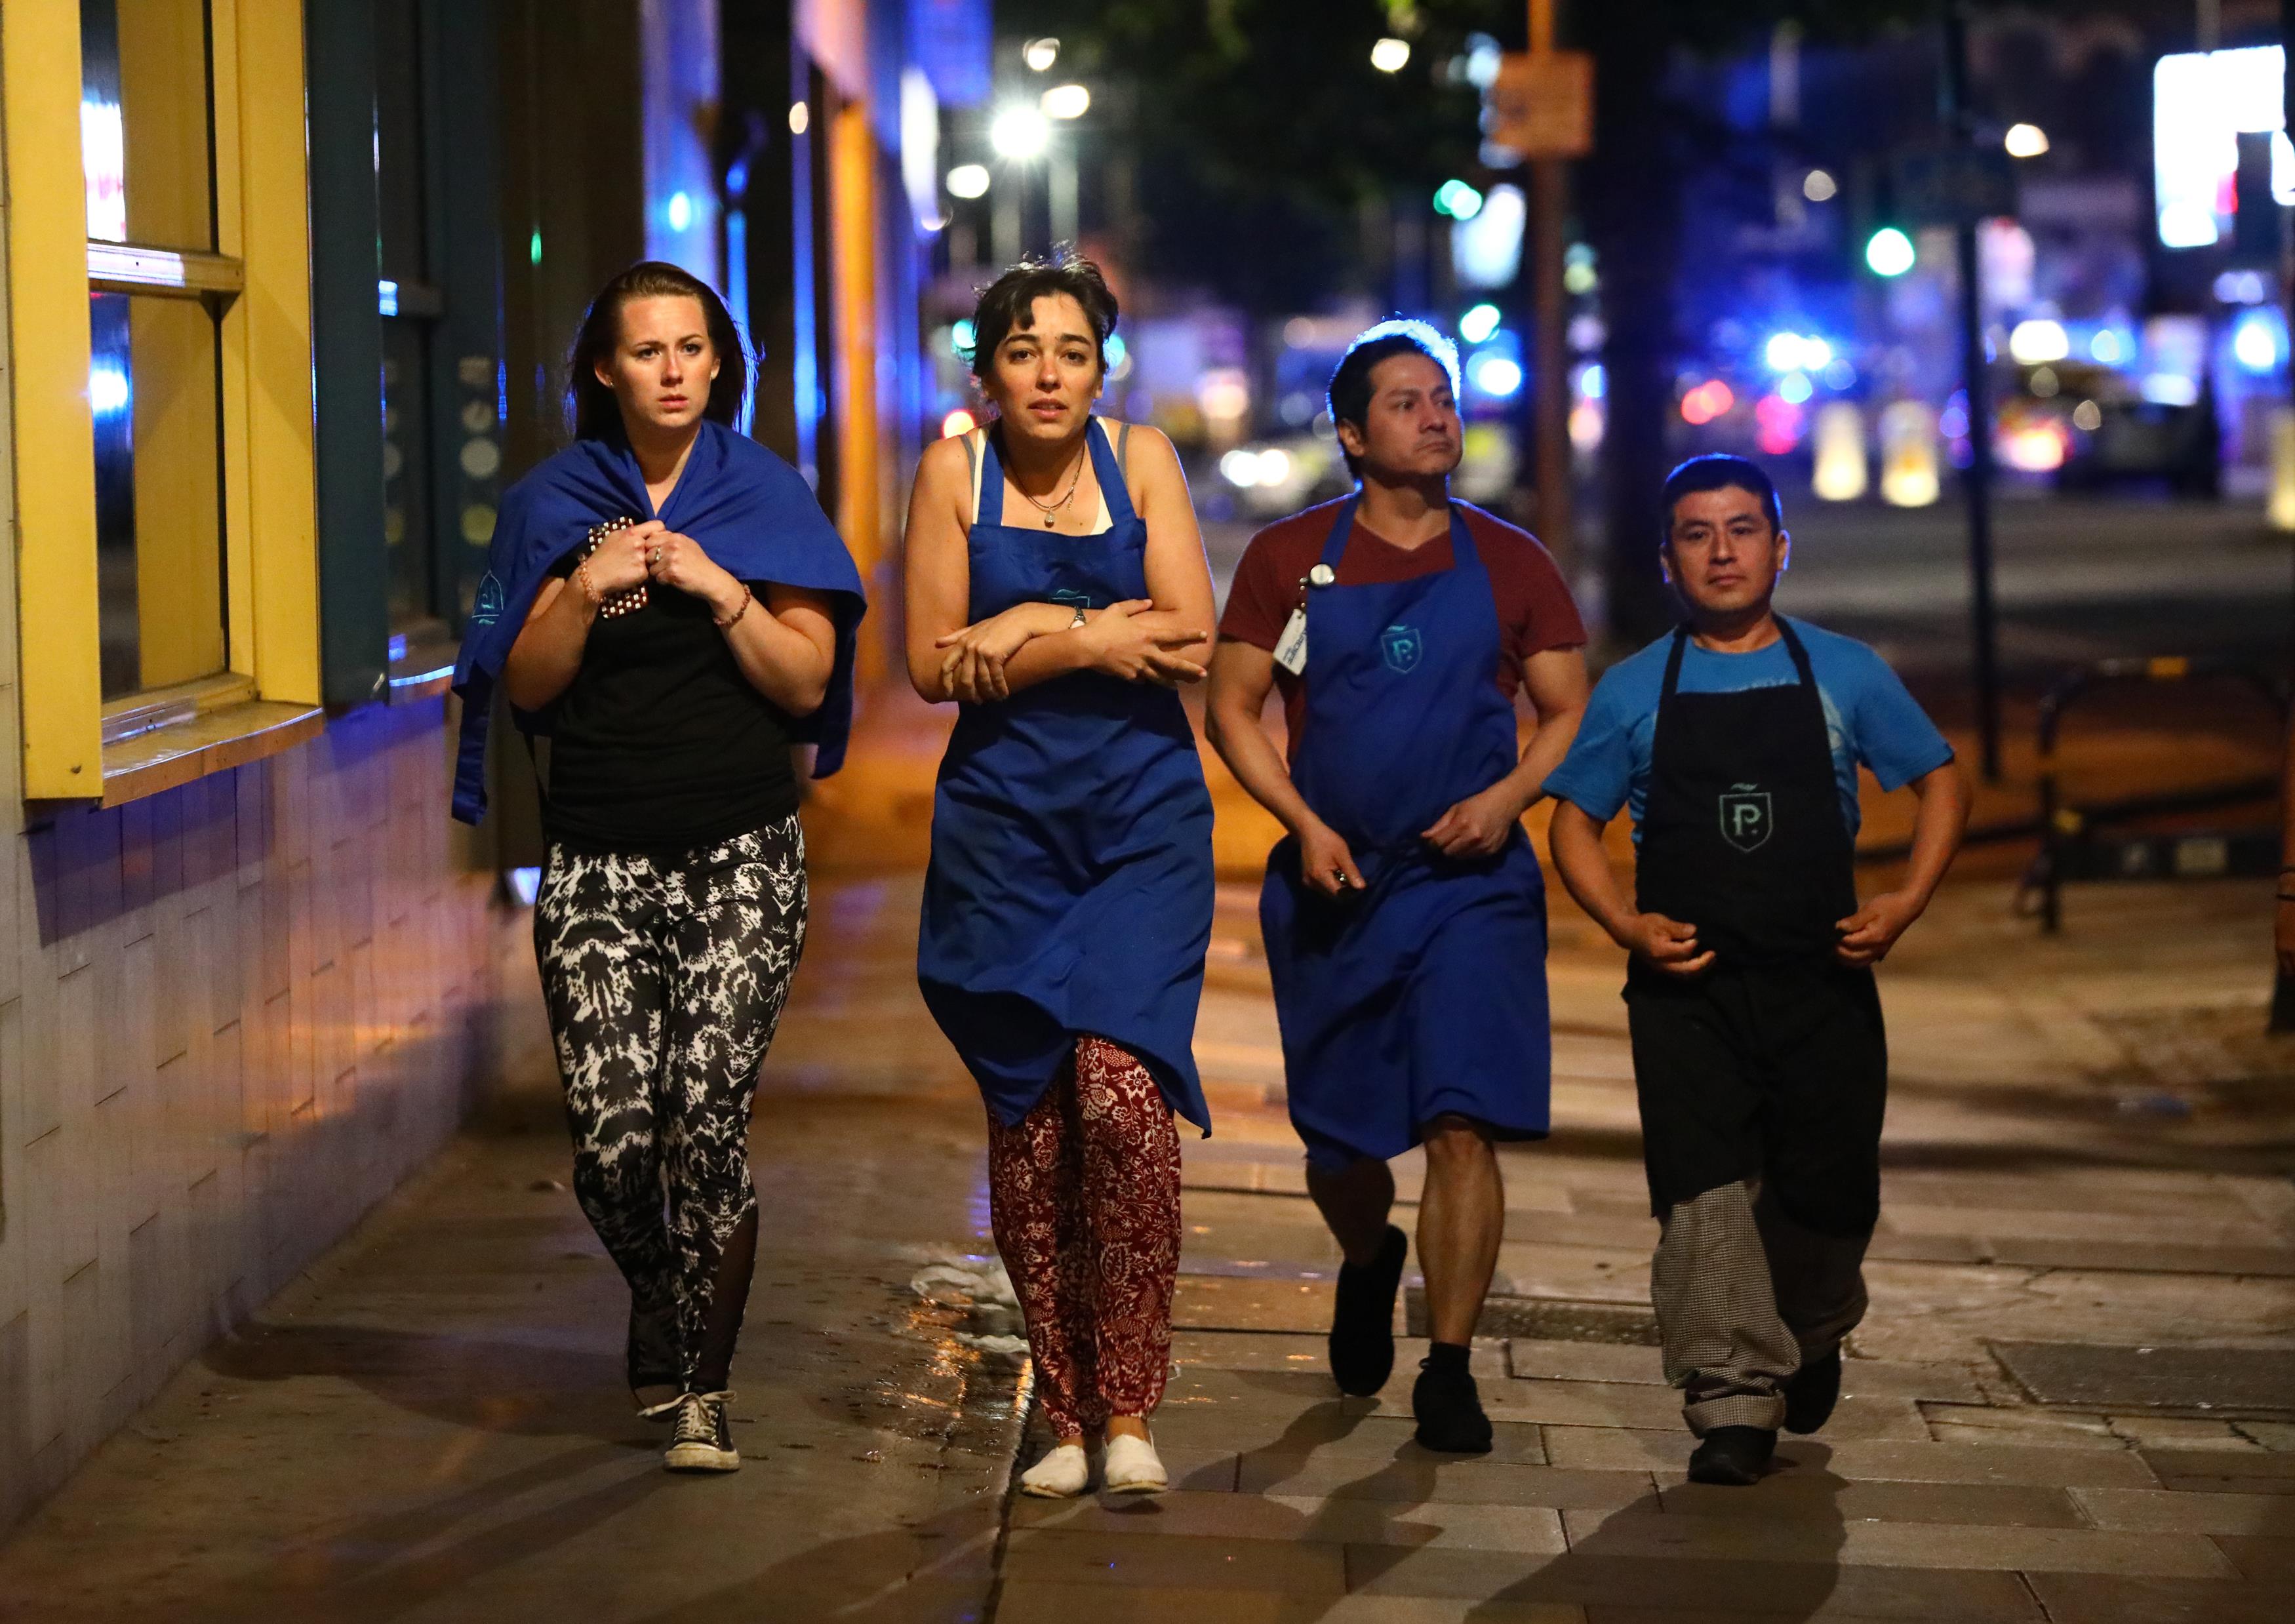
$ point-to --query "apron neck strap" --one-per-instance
(1110, 474)
(991, 511)
(1793, 651)
(1335, 545)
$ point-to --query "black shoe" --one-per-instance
(703, 1440)
(651, 1360)
(1812, 1392)
(1735, 1455)
(1450, 1412)
(1362, 1323)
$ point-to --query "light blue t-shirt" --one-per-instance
(1869, 717)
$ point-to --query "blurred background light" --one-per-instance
(1840, 471)
(1391, 55)
(1909, 455)
(2170, 389)
(1040, 54)
(960, 340)
(1498, 376)
(1795, 387)
(1479, 323)
(968, 181)
(679, 211)
(107, 389)
(1019, 133)
(1818, 186)
(2037, 340)
(1457, 199)
(2255, 341)
(2025, 140)
(1889, 252)
(1065, 101)
(1486, 251)
(1709, 400)
(956, 422)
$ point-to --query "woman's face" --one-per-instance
(663, 363)
(1044, 376)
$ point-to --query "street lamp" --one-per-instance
(1390, 55)
(1065, 101)
(2025, 140)
(1040, 54)
(968, 181)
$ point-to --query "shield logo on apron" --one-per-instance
(1072, 599)
(488, 606)
(1401, 647)
(1745, 821)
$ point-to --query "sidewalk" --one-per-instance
(2074, 1401)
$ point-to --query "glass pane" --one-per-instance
(406, 471)
(144, 126)
(155, 392)
(398, 140)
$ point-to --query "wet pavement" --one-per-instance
(2068, 1404)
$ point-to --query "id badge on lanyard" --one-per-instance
(1291, 647)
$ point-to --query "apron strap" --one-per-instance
(1673, 664)
(1335, 545)
(1104, 467)
(1799, 655)
(991, 508)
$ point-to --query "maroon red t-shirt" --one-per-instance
(1535, 611)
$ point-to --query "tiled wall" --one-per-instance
(231, 1018)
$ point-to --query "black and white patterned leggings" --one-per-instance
(665, 978)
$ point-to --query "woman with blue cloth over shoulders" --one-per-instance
(666, 602)
(1058, 592)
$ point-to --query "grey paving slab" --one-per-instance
(2233, 1464)
(2164, 1377)
(1530, 1530)
(2165, 1511)
(1920, 1462)
(1088, 1557)
(1212, 1302)
(1033, 1601)
(2021, 1423)
(1628, 1404)
(1884, 1545)
(1421, 1476)
(1335, 1427)
(2159, 1257)
(2264, 1561)
(2092, 1599)
(1800, 1496)
(1719, 1589)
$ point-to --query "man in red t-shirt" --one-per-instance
(1404, 915)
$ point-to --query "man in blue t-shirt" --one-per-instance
(1759, 1056)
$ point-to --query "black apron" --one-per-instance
(1772, 1063)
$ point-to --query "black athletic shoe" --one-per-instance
(1362, 1323)
(651, 1360)
(1812, 1392)
(1449, 1411)
(703, 1441)
(1735, 1455)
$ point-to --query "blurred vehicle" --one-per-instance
(1272, 478)
(2106, 428)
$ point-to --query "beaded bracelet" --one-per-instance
(748, 598)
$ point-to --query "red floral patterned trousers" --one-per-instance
(1084, 1193)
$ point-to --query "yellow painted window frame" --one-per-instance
(270, 495)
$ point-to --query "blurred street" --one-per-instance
(2074, 1400)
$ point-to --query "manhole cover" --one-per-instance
(2152, 1378)
(1544, 1319)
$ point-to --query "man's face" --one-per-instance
(1722, 553)
(1411, 429)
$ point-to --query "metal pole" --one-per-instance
(1550, 373)
(1977, 485)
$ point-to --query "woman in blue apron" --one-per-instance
(1404, 918)
(1069, 904)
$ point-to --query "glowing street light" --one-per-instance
(1889, 252)
(1391, 55)
(968, 181)
(1040, 54)
(2025, 140)
(1020, 133)
(1065, 101)
(1818, 186)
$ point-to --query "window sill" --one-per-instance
(167, 757)
(422, 662)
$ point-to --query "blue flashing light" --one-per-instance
(679, 211)
(108, 389)
(2255, 341)
(1795, 387)
(1495, 375)
(386, 293)
(1479, 323)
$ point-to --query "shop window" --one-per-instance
(154, 387)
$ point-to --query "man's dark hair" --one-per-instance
(1350, 388)
(1719, 471)
(590, 405)
(1010, 301)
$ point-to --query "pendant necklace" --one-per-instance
(1051, 509)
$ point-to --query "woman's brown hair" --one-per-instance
(590, 407)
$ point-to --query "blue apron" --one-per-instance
(1070, 890)
(1425, 991)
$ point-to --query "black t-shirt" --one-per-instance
(660, 744)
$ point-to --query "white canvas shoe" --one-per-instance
(1063, 1473)
(1132, 1467)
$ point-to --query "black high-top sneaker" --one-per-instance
(702, 1441)
(1811, 1393)
(1449, 1409)
(651, 1360)
(1734, 1456)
